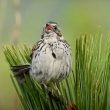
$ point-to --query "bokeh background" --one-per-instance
(21, 22)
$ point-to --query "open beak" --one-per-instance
(48, 28)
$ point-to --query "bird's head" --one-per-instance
(50, 27)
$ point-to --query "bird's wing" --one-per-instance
(35, 47)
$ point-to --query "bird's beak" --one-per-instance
(48, 28)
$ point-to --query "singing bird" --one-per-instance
(51, 58)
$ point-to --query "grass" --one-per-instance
(86, 88)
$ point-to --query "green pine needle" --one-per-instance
(86, 88)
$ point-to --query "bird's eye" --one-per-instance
(47, 25)
(55, 27)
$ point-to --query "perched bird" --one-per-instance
(51, 58)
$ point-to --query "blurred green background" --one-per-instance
(21, 21)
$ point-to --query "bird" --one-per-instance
(51, 57)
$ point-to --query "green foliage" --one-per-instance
(92, 75)
(86, 87)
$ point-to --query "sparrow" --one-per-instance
(51, 57)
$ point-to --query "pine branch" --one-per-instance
(85, 89)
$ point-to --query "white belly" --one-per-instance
(45, 67)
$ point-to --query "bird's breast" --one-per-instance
(51, 60)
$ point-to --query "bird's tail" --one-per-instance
(20, 71)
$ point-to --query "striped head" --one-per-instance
(51, 27)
